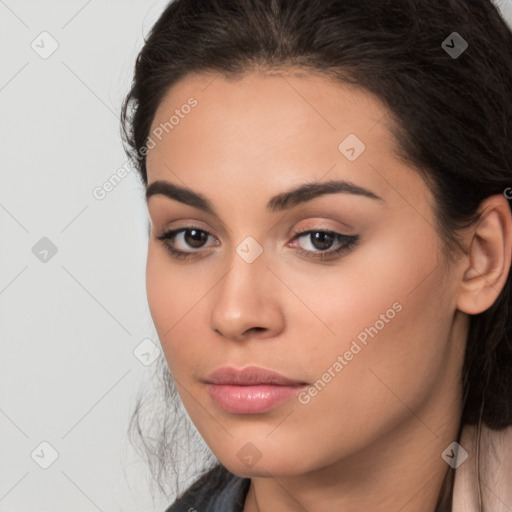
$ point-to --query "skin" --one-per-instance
(372, 438)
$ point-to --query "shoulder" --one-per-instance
(218, 490)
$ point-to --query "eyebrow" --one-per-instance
(278, 203)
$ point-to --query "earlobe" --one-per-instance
(489, 257)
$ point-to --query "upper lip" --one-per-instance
(250, 375)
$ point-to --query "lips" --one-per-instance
(249, 376)
(251, 390)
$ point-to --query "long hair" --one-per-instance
(451, 115)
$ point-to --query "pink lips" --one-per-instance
(251, 390)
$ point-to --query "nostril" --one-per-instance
(256, 329)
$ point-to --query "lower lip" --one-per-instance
(251, 399)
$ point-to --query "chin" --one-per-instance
(273, 465)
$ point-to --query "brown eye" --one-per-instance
(195, 238)
(320, 244)
(321, 240)
(180, 243)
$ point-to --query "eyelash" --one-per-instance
(348, 242)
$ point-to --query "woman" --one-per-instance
(328, 270)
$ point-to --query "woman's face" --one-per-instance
(366, 321)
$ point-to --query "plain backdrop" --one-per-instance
(77, 339)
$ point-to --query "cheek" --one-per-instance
(389, 307)
(172, 299)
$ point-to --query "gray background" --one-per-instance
(75, 329)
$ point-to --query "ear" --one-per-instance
(489, 253)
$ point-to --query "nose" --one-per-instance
(246, 303)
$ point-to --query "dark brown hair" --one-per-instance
(450, 115)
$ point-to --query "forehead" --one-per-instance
(273, 130)
(260, 111)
